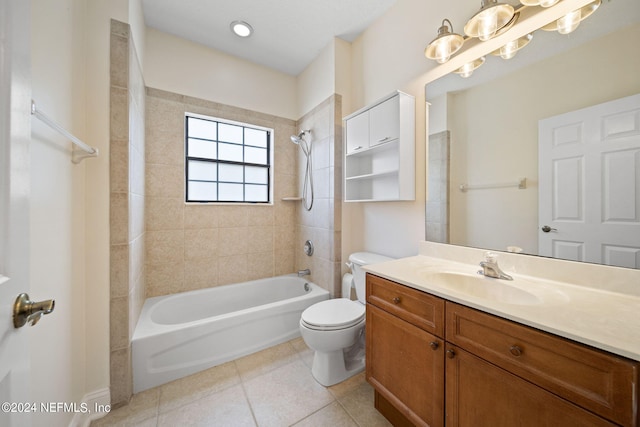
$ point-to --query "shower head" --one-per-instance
(297, 139)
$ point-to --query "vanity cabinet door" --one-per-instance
(405, 365)
(479, 393)
(598, 381)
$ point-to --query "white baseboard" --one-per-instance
(98, 404)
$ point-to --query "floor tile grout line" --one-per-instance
(246, 397)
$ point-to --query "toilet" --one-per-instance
(334, 329)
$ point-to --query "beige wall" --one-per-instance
(57, 344)
(181, 66)
(478, 142)
(194, 246)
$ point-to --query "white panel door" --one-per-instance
(589, 176)
(14, 207)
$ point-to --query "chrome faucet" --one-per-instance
(305, 272)
(490, 267)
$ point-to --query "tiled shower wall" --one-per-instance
(127, 192)
(322, 224)
(194, 246)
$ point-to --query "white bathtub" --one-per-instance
(178, 335)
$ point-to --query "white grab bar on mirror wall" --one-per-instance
(77, 155)
(521, 184)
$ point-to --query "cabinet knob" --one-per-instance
(516, 350)
(451, 354)
(434, 345)
(396, 300)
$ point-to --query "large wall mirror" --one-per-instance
(507, 165)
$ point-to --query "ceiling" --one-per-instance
(288, 34)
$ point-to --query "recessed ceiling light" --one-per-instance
(241, 28)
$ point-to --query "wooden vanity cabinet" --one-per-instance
(490, 371)
(404, 356)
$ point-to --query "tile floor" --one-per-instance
(273, 387)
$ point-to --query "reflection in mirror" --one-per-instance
(484, 132)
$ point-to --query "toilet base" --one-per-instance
(333, 367)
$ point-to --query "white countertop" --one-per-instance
(602, 318)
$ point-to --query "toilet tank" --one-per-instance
(357, 260)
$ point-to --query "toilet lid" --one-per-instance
(336, 313)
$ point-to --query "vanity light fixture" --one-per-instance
(241, 29)
(510, 49)
(445, 44)
(571, 20)
(467, 69)
(491, 18)
(542, 3)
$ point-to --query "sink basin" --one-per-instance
(484, 287)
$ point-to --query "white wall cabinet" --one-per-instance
(379, 162)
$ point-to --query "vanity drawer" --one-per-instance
(418, 308)
(598, 381)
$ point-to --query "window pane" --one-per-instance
(255, 175)
(255, 137)
(255, 155)
(230, 133)
(230, 152)
(231, 192)
(201, 191)
(202, 171)
(230, 173)
(202, 149)
(199, 128)
(256, 193)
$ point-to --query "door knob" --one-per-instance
(547, 229)
(25, 310)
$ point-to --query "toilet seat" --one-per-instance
(333, 314)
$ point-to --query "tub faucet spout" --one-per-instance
(305, 272)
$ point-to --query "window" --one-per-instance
(227, 161)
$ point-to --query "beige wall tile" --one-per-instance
(121, 380)
(164, 246)
(284, 262)
(260, 215)
(136, 216)
(200, 273)
(200, 216)
(119, 270)
(119, 129)
(233, 241)
(119, 57)
(284, 238)
(164, 181)
(232, 269)
(119, 218)
(164, 279)
(260, 239)
(119, 318)
(201, 244)
(164, 213)
(136, 260)
(260, 265)
(233, 216)
(119, 165)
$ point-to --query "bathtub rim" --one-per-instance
(145, 327)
